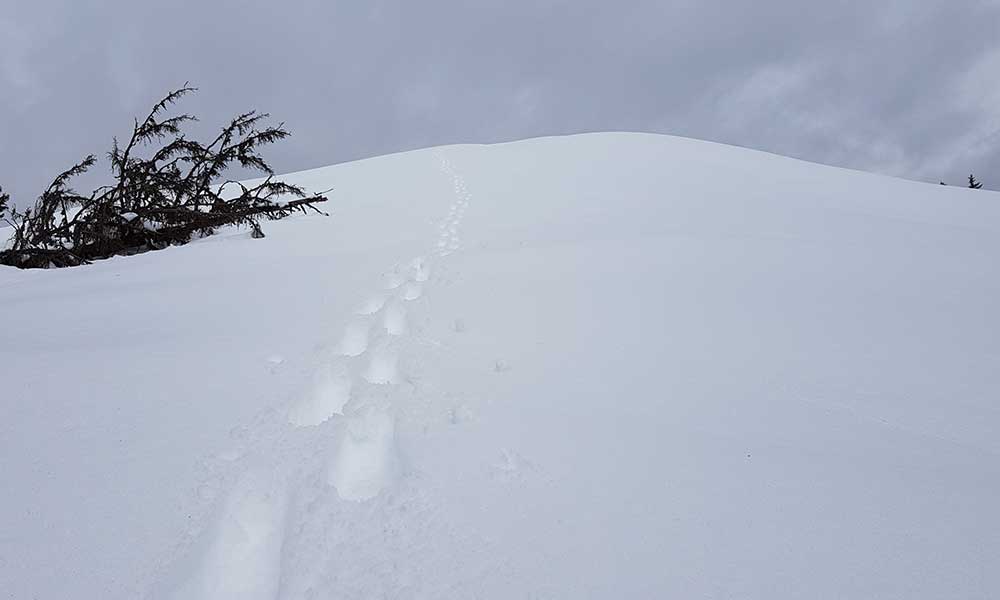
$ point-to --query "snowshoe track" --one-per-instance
(292, 482)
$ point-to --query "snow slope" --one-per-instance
(598, 366)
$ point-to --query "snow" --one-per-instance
(597, 366)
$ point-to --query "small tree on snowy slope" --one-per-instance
(974, 184)
(168, 197)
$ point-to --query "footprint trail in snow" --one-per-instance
(336, 448)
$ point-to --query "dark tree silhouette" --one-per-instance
(974, 184)
(167, 198)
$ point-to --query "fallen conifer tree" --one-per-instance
(169, 196)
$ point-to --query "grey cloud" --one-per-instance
(885, 85)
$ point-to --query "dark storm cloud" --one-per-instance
(898, 87)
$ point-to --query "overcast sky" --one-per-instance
(904, 87)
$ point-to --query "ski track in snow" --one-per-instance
(329, 477)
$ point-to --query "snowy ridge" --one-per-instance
(609, 365)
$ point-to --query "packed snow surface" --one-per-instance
(598, 366)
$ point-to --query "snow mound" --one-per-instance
(601, 366)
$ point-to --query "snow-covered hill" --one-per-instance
(599, 366)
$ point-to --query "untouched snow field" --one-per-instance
(598, 366)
